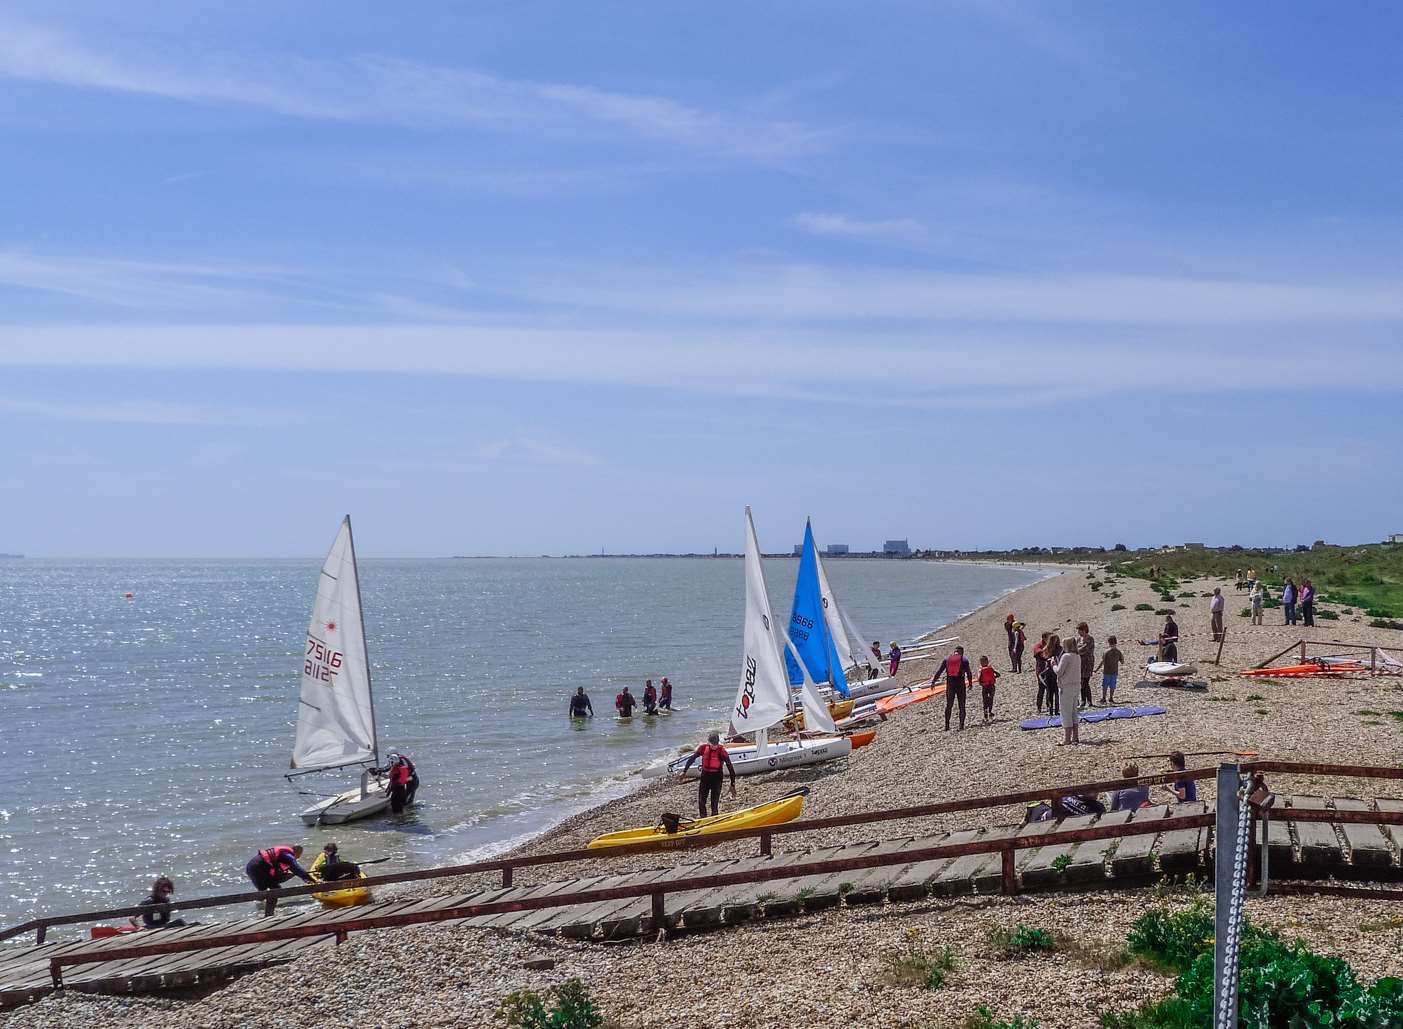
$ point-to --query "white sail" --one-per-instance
(817, 717)
(837, 624)
(762, 699)
(335, 716)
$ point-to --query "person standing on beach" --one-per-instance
(957, 679)
(1169, 640)
(877, 651)
(713, 759)
(1086, 650)
(1110, 671)
(1067, 668)
(1288, 601)
(1307, 601)
(1215, 613)
(895, 656)
(1008, 631)
(987, 677)
(1257, 598)
(1040, 663)
(1020, 640)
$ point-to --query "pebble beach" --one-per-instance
(826, 969)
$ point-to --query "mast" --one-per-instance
(365, 650)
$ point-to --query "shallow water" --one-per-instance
(150, 734)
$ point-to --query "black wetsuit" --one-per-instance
(580, 706)
(156, 913)
(956, 690)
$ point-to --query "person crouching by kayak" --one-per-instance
(895, 656)
(275, 865)
(665, 697)
(650, 698)
(156, 909)
(713, 757)
(580, 707)
(328, 867)
(624, 703)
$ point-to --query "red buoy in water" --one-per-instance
(129, 595)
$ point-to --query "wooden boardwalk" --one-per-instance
(1309, 850)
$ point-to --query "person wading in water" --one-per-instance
(713, 757)
(580, 707)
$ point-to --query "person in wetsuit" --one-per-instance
(665, 697)
(156, 909)
(624, 703)
(713, 758)
(650, 698)
(580, 707)
(957, 680)
(274, 865)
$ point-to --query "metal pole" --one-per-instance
(1229, 868)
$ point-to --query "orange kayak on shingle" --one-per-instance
(897, 701)
(862, 738)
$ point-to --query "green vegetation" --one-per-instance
(1385, 623)
(1019, 941)
(917, 965)
(1144, 607)
(1258, 696)
(1061, 861)
(983, 1018)
(565, 1007)
(1117, 607)
(1281, 983)
(1165, 611)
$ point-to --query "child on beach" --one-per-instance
(987, 678)
(1110, 670)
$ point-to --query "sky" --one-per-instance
(524, 278)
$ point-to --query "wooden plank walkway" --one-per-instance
(1298, 849)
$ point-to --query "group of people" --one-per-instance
(1297, 602)
(654, 700)
(267, 870)
(1131, 798)
(1064, 669)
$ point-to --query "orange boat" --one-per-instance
(861, 739)
(897, 701)
(1314, 668)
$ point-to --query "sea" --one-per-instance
(147, 707)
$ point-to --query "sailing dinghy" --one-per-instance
(843, 631)
(335, 709)
(763, 698)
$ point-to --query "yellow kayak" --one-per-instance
(775, 812)
(344, 898)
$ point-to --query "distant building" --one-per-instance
(896, 547)
(798, 549)
(836, 548)
(1194, 546)
(1397, 537)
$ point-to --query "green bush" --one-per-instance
(1117, 607)
(1165, 611)
(1281, 983)
(570, 1008)
(1329, 616)
(1144, 607)
(1246, 612)
(1020, 940)
(1384, 623)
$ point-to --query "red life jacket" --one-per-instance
(953, 664)
(711, 757)
(986, 675)
(279, 859)
(399, 774)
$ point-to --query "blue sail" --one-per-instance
(808, 629)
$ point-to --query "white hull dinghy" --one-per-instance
(335, 707)
(1171, 669)
(756, 759)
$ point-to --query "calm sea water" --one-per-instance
(150, 734)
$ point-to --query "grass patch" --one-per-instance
(1329, 616)
(1165, 611)
(983, 1018)
(1020, 941)
(1263, 711)
(1367, 711)
(1258, 696)
(1385, 623)
(918, 965)
(1398, 715)
(1117, 607)
(567, 1006)
(1144, 607)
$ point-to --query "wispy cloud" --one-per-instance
(139, 412)
(389, 90)
(882, 230)
(535, 451)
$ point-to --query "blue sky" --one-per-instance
(525, 278)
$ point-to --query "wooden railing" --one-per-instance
(508, 865)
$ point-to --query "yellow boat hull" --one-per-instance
(838, 709)
(775, 812)
(345, 898)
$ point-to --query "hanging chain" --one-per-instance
(1227, 993)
